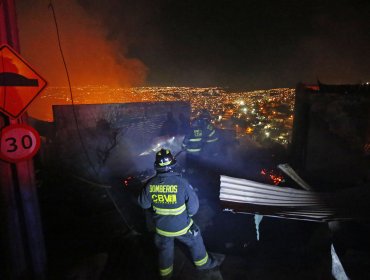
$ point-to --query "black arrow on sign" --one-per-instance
(16, 80)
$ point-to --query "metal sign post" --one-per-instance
(22, 252)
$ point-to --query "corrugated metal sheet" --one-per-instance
(246, 196)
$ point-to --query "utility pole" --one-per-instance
(22, 251)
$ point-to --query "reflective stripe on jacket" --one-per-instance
(210, 134)
(173, 201)
(193, 141)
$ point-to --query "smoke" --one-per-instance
(91, 58)
(198, 43)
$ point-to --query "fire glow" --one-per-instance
(91, 59)
(272, 176)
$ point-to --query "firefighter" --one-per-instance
(210, 137)
(193, 140)
(211, 146)
(193, 145)
(174, 202)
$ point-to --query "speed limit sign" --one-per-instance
(18, 142)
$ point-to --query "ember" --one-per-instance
(272, 176)
(127, 180)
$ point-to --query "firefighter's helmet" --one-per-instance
(196, 123)
(204, 114)
(164, 160)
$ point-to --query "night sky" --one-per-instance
(240, 44)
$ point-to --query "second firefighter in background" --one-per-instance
(201, 140)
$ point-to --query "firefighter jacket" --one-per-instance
(210, 134)
(173, 201)
(194, 140)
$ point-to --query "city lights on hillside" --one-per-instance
(261, 115)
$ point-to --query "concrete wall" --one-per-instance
(104, 140)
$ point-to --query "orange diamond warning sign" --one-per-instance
(19, 83)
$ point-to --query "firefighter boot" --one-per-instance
(215, 260)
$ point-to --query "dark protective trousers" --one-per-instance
(193, 240)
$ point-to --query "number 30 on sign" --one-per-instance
(18, 142)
